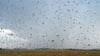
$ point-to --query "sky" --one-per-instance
(57, 24)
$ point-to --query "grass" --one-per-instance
(49, 53)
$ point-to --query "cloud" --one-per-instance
(49, 23)
(8, 39)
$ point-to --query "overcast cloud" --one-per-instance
(50, 24)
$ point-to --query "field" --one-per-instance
(49, 53)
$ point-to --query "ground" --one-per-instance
(50, 53)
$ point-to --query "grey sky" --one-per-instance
(50, 24)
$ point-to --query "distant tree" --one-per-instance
(0, 48)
